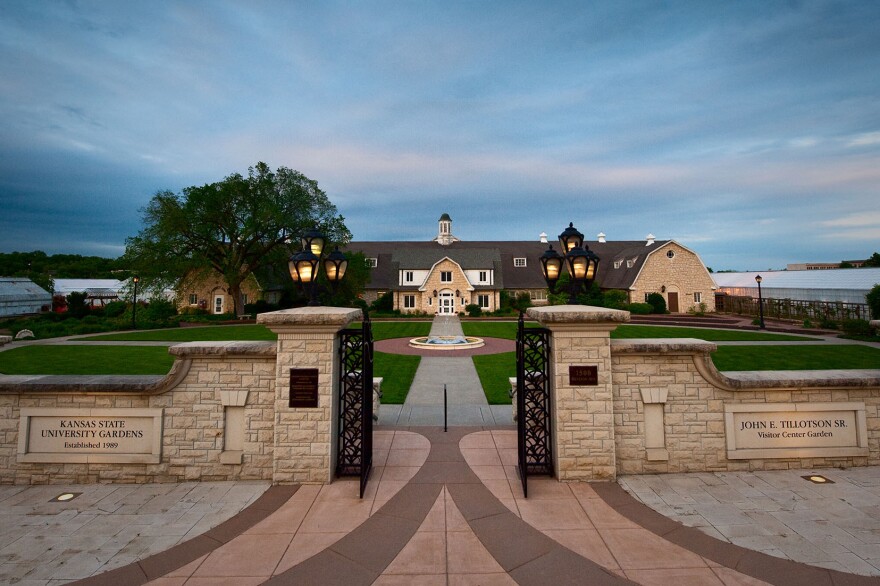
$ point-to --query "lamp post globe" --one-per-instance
(134, 306)
(551, 266)
(305, 266)
(570, 238)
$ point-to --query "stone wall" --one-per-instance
(669, 391)
(207, 378)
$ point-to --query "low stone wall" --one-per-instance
(207, 384)
(674, 412)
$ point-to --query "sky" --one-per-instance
(747, 131)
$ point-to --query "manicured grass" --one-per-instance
(796, 357)
(86, 360)
(397, 372)
(206, 334)
(507, 330)
(634, 331)
(494, 371)
(385, 330)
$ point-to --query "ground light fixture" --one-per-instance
(305, 266)
(758, 280)
(65, 497)
(818, 479)
(580, 262)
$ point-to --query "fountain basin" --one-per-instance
(446, 342)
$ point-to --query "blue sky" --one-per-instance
(748, 131)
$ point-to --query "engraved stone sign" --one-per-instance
(107, 436)
(587, 376)
(795, 430)
(303, 387)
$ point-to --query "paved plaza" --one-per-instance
(448, 508)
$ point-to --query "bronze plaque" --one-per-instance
(583, 376)
(303, 387)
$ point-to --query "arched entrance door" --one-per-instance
(446, 302)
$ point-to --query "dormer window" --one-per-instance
(631, 263)
(519, 262)
(408, 276)
(372, 262)
(617, 264)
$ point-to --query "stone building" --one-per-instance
(210, 292)
(444, 275)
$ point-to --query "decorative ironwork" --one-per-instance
(533, 402)
(355, 445)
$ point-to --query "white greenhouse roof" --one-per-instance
(67, 286)
(858, 279)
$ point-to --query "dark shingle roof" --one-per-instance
(393, 256)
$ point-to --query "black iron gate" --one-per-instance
(533, 402)
(355, 450)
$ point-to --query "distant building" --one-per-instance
(209, 291)
(822, 266)
(444, 275)
(99, 292)
(843, 285)
(21, 296)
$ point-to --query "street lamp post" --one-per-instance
(134, 306)
(305, 266)
(579, 260)
(758, 280)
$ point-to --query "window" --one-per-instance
(445, 276)
(409, 301)
(483, 301)
(698, 297)
(244, 299)
(630, 263)
(670, 254)
(617, 264)
(408, 276)
(193, 299)
(372, 262)
(519, 262)
(484, 276)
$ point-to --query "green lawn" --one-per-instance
(86, 360)
(397, 372)
(200, 334)
(507, 330)
(494, 371)
(385, 330)
(796, 357)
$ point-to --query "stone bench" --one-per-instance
(5, 340)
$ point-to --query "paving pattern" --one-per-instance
(447, 508)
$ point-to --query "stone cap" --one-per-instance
(574, 314)
(663, 346)
(125, 384)
(190, 349)
(784, 379)
(310, 316)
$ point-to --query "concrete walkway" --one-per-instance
(466, 402)
(447, 508)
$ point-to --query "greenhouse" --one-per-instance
(21, 296)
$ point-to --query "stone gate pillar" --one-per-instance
(581, 400)
(305, 437)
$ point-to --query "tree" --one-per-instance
(874, 261)
(233, 227)
(873, 299)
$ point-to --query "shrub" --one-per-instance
(473, 310)
(856, 327)
(188, 311)
(523, 301)
(261, 306)
(828, 324)
(657, 301)
(76, 304)
(614, 299)
(114, 309)
(640, 308)
(384, 303)
(159, 310)
(699, 309)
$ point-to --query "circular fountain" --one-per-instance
(446, 342)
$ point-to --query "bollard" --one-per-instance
(444, 408)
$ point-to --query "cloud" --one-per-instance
(864, 139)
(870, 218)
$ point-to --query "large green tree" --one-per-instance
(232, 227)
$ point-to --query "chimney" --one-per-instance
(601, 237)
(543, 238)
(651, 239)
